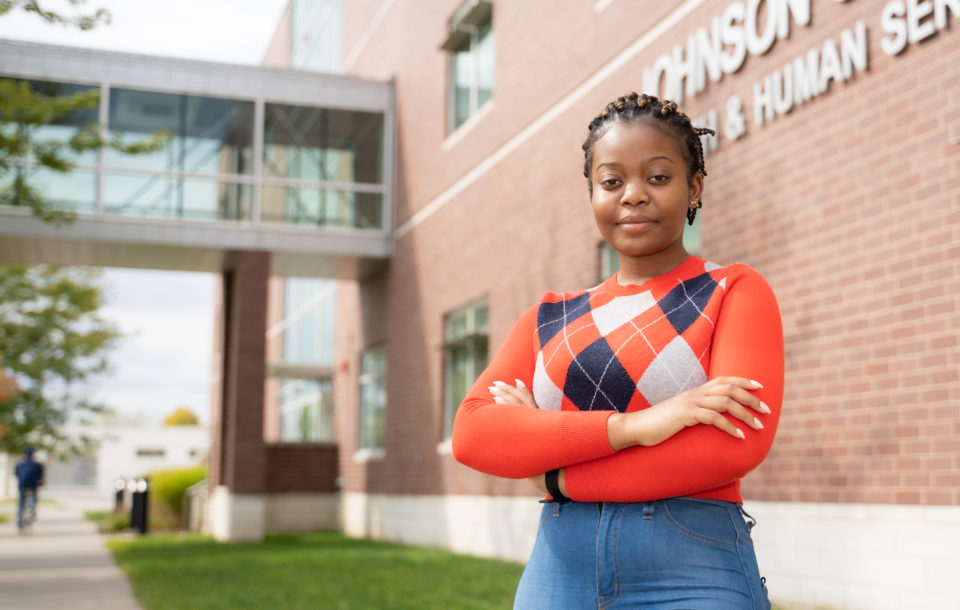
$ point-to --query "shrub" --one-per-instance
(166, 494)
(108, 521)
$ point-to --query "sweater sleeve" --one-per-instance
(517, 441)
(747, 342)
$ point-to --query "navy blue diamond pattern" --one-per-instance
(552, 317)
(597, 381)
(684, 304)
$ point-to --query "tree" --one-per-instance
(83, 22)
(52, 339)
(26, 108)
(182, 417)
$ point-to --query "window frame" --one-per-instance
(464, 36)
(371, 377)
(474, 337)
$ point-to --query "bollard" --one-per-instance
(120, 485)
(143, 486)
(138, 508)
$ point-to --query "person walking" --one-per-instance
(29, 475)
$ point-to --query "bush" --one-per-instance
(166, 494)
(108, 521)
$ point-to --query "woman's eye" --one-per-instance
(659, 178)
(610, 182)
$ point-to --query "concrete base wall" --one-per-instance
(487, 526)
(236, 517)
(301, 512)
(852, 556)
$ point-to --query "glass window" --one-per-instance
(471, 47)
(165, 196)
(318, 207)
(373, 397)
(306, 410)
(691, 235)
(308, 311)
(74, 191)
(316, 35)
(465, 356)
(61, 126)
(610, 259)
(322, 144)
(211, 135)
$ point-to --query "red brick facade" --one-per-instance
(238, 455)
(301, 468)
(849, 205)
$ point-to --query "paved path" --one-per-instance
(63, 563)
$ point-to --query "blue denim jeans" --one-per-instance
(686, 553)
(27, 495)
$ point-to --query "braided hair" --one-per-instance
(635, 107)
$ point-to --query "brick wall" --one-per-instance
(240, 459)
(301, 468)
(848, 205)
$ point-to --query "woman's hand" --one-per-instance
(505, 393)
(705, 404)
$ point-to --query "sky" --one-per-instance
(164, 360)
(233, 31)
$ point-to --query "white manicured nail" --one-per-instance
(498, 399)
(758, 423)
(493, 388)
(500, 384)
(756, 383)
(764, 408)
(740, 433)
(520, 384)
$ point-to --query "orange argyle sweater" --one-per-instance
(622, 348)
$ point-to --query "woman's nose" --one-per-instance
(633, 194)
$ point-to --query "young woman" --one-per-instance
(639, 404)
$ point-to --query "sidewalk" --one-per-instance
(63, 563)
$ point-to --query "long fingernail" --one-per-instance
(740, 433)
(764, 408)
(498, 399)
(757, 424)
(756, 383)
(493, 388)
(500, 384)
(520, 383)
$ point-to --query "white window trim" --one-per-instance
(474, 32)
(445, 447)
(468, 339)
(369, 454)
(453, 138)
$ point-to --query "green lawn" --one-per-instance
(329, 571)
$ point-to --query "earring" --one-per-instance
(692, 211)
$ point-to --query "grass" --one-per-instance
(107, 521)
(43, 502)
(311, 571)
(4, 517)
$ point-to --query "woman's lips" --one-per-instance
(636, 223)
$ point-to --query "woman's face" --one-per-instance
(641, 188)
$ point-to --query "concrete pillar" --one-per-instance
(238, 451)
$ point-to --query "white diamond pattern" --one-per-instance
(674, 370)
(547, 395)
(621, 310)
